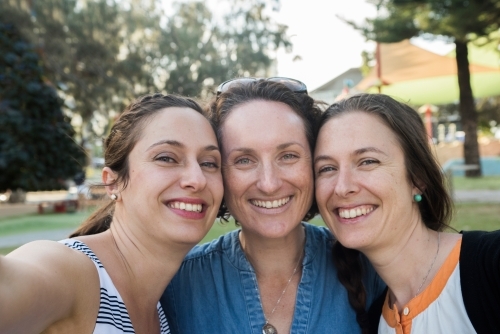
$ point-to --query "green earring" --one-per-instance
(417, 197)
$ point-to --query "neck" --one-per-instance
(274, 256)
(141, 264)
(406, 262)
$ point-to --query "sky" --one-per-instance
(327, 46)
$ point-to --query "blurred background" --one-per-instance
(68, 67)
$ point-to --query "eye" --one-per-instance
(289, 156)
(210, 165)
(242, 161)
(165, 158)
(367, 162)
(326, 169)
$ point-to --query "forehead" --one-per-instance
(356, 129)
(177, 123)
(263, 120)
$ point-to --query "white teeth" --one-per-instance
(355, 212)
(271, 204)
(185, 206)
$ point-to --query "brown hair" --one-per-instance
(121, 140)
(301, 103)
(423, 171)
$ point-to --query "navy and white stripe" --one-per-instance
(113, 317)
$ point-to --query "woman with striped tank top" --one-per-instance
(162, 174)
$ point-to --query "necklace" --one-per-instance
(432, 265)
(268, 328)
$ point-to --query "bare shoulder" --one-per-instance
(46, 282)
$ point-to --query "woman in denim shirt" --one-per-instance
(276, 274)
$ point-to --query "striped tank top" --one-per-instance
(113, 316)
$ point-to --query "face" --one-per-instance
(267, 168)
(362, 188)
(175, 185)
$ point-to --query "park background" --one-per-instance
(67, 68)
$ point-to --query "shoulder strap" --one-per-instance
(480, 279)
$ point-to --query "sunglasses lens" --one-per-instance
(292, 84)
(238, 81)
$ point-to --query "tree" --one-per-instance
(37, 151)
(461, 21)
(101, 54)
(201, 51)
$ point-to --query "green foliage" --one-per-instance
(460, 21)
(104, 53)
(457, 19)
(202, 51)
(37, 151)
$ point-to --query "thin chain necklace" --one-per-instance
(432, 265)
(268, 328)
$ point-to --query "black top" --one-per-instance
(480, 279)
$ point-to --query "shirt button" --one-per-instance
(406, 311)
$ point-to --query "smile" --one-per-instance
(185, 206)
(356, 212)
(271, 204)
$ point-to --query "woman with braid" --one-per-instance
(165, 189)
(382, 194)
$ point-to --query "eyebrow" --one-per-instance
(356, 152)
(181, 145)
(286, 145)
(168, 142)
(247, 150)
(368, 149)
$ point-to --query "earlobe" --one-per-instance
(109, 178)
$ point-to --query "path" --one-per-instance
(20, 239)
(477, 196)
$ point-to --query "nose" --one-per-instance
(269, 178)
(193, 178)
(345, 184)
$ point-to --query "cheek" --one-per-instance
(324, 189)
(216, 186)
(234, 181)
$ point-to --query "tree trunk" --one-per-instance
(467, 110)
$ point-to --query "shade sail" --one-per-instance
(418, 76)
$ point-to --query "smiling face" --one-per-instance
(267, 168)
(175, 185)
(362, 188)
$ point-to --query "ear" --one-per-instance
(418, 187)
(110, 177)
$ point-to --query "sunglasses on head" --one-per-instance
(292, 84)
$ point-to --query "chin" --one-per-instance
(351, 240)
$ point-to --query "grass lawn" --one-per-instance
(480, 183)
(468, 216)
(477, 216)
(40, 222)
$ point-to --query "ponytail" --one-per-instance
(98, 222)
(350, 273)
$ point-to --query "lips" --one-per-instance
(354, 212)
(271, 204)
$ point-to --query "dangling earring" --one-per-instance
(114, 197)
(417, 197)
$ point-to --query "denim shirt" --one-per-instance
(215, 290)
